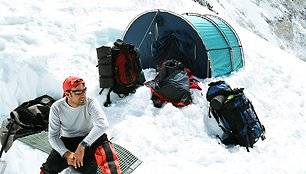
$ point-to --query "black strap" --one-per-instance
(217, 118)
(263, 137)
(209, 114)
(101, 91)
(122, 95)
(212, 112)
(108, 102)
(6, 138)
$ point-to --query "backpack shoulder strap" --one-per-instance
(126, 53)
(108, 102)
(212, 112)
(101, 91)
(229, 139)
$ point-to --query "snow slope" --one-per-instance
(42, 42)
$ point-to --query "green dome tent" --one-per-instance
(206, 44)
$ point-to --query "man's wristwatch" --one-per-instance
(84, 144)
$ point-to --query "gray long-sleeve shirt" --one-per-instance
(87, 120)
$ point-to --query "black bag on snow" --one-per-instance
(172, 84)
(29, 118)
(119, 69)
(235, 115)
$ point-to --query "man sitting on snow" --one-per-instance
(77, 126)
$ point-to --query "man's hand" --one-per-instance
(78, 156)
(70, 158)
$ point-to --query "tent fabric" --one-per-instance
(205, 44)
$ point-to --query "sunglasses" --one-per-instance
(78, 92)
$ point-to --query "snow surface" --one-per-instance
(42, 42)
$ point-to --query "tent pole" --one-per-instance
(148, 29)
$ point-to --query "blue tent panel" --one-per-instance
(209, 33)
(204, 43)
(221, 66)
(234, 43)
(232, 38)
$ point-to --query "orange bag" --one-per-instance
(107, 158)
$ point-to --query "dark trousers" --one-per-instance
(55, 163)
